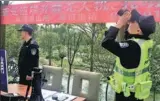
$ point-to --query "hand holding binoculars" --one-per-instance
(125, 16)
(122, 11)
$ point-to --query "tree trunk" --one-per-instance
(2, 35)
(107, 92)
(61, 62)
(2, 27)
(92, 47)
(91, 57)
(69, 77)
(50, 56)
(50, 61)
(154, 89)
(154, 94)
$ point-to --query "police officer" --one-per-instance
(131, 78)
(29, 55)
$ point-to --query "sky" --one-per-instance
(22, 2)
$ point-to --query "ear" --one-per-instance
(139, 31)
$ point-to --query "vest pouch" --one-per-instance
(142, 90)
(125, 89)
(115, 85)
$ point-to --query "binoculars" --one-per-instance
(121, 12)
(134, 14)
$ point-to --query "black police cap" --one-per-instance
(26, 28)
(146, 23)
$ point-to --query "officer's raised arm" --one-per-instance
(109, 41)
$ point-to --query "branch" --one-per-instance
(77, 47)
(68, 47)
(83, 30)
(155, 71)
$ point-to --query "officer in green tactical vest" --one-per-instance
(131, 78)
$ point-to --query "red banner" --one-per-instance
(74, 11)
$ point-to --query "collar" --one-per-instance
(129, 36)
(28, 42)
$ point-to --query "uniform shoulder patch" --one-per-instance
(33, 42)
(123, 44)
(33, 51)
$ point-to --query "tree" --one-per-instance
(13, 41)
(48, 40)
(103, 59)
(62, 53)
(155, 62)
(91, 31)
(73, 42)
(62, 33)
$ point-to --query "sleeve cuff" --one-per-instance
(112, 32)
(113, 29)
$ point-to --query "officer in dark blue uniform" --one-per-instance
(28, 61)
(29, 55)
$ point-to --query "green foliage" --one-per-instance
(48, 41)
(13, 41)
(155, 61)
(62, 34)
(62, 51)
(102, 59)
